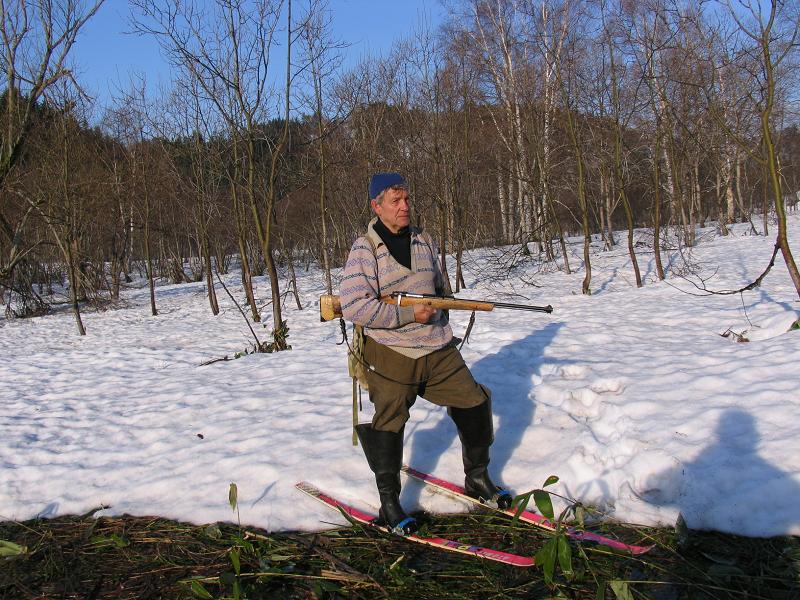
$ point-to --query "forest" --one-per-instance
(517, 123)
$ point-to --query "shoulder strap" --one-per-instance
(374, 247)
(355, 357)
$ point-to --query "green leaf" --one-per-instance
(233, 496)
(546, 558)
(580, 516)
(234, 554)
(544, 503)
(280, 557)
(237, 590)
(12, 549)
(601, 591)
(520, 503)
(199, 591)
(521, 500)
(550, 481)
(621, 590)
(564, 556)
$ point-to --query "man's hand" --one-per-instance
(423, 313)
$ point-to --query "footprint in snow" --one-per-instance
(612, 386)
(585, 403)
(572, 371)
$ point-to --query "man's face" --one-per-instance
(394, 211)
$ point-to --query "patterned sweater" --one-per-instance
(369, 274)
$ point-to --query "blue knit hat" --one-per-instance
(382, 181)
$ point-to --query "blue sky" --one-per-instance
(106, 55)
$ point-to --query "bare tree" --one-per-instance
(774, 34)
(619, 122)
(647, 40)
(553, 18)
(131, 128)
(36, 39)
(59, 191)
(570, 81)
(226, 47)
(498, 29)
(323, 59)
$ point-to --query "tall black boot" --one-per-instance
(384, 452)
(477, 434)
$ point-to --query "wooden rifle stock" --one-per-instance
(331, 308)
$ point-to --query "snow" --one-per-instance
(631, 396)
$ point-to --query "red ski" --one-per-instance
(367, 519)
(527, 516)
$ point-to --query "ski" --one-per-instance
(527, 516)
(370, 520)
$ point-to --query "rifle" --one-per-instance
(331, 308)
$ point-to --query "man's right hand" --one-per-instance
(423, 313)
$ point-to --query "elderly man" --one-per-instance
(410, 350)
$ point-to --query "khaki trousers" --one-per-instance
(440, 377)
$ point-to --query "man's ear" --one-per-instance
(374, 205)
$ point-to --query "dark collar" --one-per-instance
(384, 231)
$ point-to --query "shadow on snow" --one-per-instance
(509, 374)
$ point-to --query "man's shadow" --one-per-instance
(729, 487)
(509, 374)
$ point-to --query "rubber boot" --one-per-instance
(477, 434)
(384, 452)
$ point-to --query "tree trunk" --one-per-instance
(772, 165)
(212, 293)
(459, 272)
(323, 212)
(72, 259)
(147, 255)
(293, 278)
(657, 206)
(241, 233)
(247, 280)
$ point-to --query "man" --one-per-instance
(410, 350)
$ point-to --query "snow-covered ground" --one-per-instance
(631, 396)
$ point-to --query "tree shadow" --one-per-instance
(729, 487)
(509, 374)
(608, 279)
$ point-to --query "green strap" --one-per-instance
(355, 411)
(356, 387)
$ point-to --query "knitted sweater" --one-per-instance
(369, 274)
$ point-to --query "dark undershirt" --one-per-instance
(398, 244)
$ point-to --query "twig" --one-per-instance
(214, 360)
(750, 286)
(244, 316)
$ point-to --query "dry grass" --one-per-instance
(137, 557)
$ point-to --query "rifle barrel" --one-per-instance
(547, 309)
